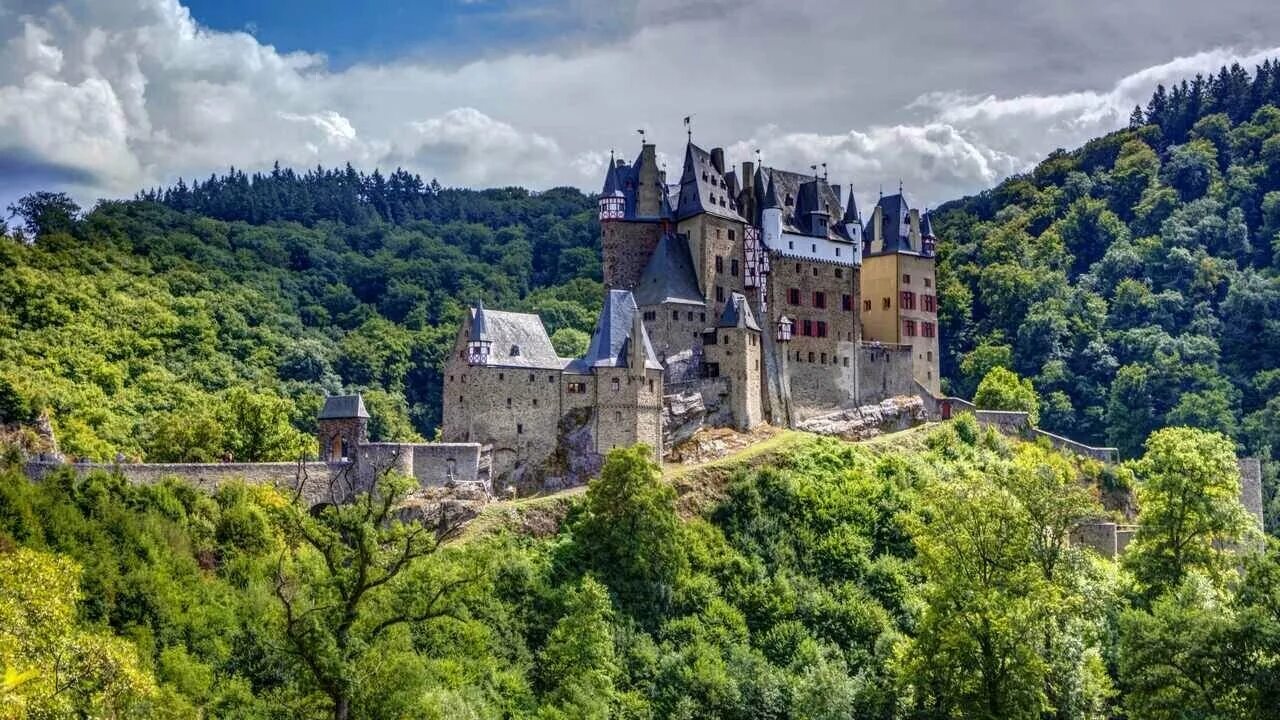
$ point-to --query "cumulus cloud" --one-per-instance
(122, 94)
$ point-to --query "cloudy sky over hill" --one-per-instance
(102, 97)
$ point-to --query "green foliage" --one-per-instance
(1192, 519)
(1134, 279)
(1002, 389)
(135, 322)
(836, 581)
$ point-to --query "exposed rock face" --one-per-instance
(683, 414)
(868, 421)
(575, 461)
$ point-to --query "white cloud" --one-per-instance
(137, 93)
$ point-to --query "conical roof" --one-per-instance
(737, 314)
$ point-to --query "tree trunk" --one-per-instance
(341, 708)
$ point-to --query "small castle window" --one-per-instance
(928, 282)
(675, 315)
(810, 357)
(704, 317)
(551, 379)
(798, 356)
(690, 315)
(650, 315)
(866, 306)
(733, 267)
(719, 264)
(797, 268)
(837, 255)
(650, 386)
(824, 358)
(732, 235)
(906, 279)
(846, 361)
(813, 248)
(789, 201)
(615, 385)
(815, 272)
(791, 245)
(886, 303)
(450, 378)
(508, 402)
(532, 377)
(519, 428)
(502, 376)
(617, 416)
(535, 402)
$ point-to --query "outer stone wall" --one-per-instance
(884, 371)
(317, 487)
(1251, 487)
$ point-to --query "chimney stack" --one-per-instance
(717, 159)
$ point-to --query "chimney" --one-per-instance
(717, 159)
(748, 172)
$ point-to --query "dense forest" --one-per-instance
(194, 323)
(928, 578)
(1126, 286)
(1136, 280)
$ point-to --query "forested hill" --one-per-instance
(205, 320)
(1134, 280)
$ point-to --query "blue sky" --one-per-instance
(103, 97)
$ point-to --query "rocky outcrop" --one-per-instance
(683, 415)
(868, 421)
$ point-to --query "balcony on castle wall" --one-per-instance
(478, 355)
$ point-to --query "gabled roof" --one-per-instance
(703, 189)
(343, 407)
(669, 277)
(611, 342)
(737, 314)
(519, 340)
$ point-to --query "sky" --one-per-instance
(100, 98)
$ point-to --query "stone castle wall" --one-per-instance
(1251, 487)
(627, 248)
(317, 477)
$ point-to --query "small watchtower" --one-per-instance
(343, 424)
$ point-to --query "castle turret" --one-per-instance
(478, 342)
(771, 217)
(928, 241)
(341, 426)
(613, 204)
(852, 222)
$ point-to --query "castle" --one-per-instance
(757, 288)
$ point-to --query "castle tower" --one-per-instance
(342, 426)
(771, 217)
(899, 289)
(634, 212)
(628, 378)
(733, 350)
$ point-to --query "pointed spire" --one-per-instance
(611, 177)
(851, 208)
(479, 326)
(770, 196)
(926, 225)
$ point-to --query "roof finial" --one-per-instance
(881, 191)
(641, 131)
(688, 126)
(824, 172)
(899, 186)
(814, 168)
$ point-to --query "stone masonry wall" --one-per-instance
(627, 247)
(1251, 487)
(884, 371)
(317, 487)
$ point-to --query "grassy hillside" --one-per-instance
(814, 579)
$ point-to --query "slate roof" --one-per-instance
(669, 277)
(819, 195)
(624, 178)
(737, 314)
(926, 225)
(895, 226)
(343, 407)
(611, 341)
(703, 189)
(519, 340)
